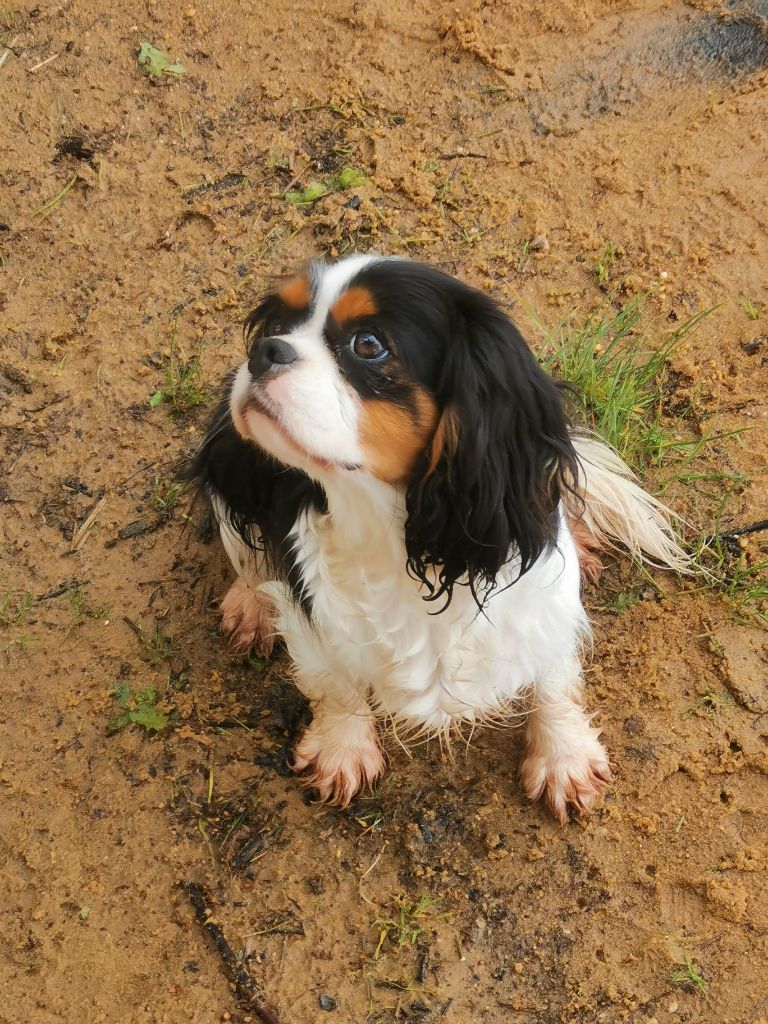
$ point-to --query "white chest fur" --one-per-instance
(372, 634)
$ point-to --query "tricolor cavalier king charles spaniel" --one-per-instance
(406, 504)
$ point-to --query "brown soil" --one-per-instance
(482, 127)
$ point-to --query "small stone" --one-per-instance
(751, 348)
(539, 244)
(634, 725)
(327, 1003)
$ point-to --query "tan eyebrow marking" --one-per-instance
(354, 303)
(296, 292)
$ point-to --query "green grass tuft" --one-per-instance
(604, 265)
(690, 977)
(620, 382)
(752, 309)
(744, 584)
(182, 389)
(619, 379)
(406, 926)
(82, 607)
(166, 495)
(14, 608)
(158, 646)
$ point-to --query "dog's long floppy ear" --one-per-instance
(487, 490)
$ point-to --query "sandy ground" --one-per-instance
(481, 129)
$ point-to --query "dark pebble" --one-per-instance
(751, 348)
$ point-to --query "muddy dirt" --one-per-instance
(510, 144)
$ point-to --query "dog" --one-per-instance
(407, 505)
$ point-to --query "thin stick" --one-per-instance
(8, 49)
(46, 208)
(297, 177)
(462, 156)
(43, 63)
(757, 527)
(79, 536)
(246, 986)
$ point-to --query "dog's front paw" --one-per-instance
(575, 778)
(248, 618)
(338, 756)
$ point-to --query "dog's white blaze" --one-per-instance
(317, 412)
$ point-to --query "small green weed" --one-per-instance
(166, 495)
(137, 707)
(752, 309)
(624, 600)
(619, 380)
(690, 977)
(604, 265)
(727, 571)
(405, 927)
(18, 641)
(158, 646)
(711, 703)
(14, 608)
(182, 390)
(156, 63)
(82, 607)
(350, 177)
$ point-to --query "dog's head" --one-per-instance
(393, 370)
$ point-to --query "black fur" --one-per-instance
(263, 498)
(496, 497)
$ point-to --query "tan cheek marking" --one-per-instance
(393, 438)
(355, 303)
(296, 293)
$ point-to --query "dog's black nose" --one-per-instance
(267, 353)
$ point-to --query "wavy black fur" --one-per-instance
(495, 497)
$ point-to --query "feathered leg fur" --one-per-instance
(564, 761)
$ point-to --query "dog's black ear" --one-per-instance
(487, 491)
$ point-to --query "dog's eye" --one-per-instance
(368, 346)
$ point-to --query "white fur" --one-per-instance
(313, 413)
(616, 508)
(373, 648)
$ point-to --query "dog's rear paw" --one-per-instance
(567, 780)
(338, 756)
(248, 618)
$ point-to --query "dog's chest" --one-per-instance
(371, 624)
